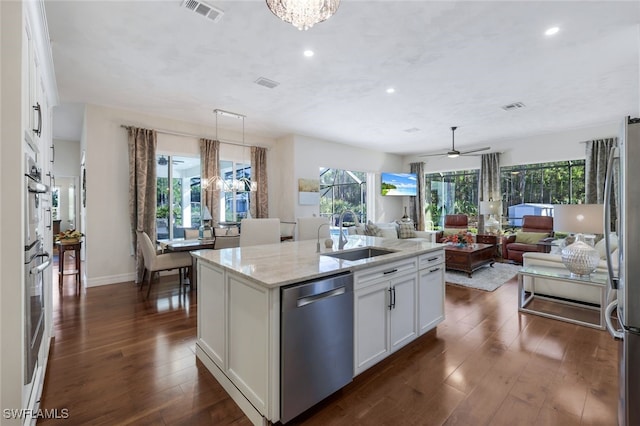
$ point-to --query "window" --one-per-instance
(452, 193)
(235, 198)
(178, 203)
(533, 188)
(342, 190)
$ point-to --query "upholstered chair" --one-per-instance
(453, 223)
(154, 262)
(535, 236)
(259, 231)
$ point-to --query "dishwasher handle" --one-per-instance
(303, 301)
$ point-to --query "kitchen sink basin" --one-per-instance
(359, 253)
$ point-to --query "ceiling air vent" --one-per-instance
(513, 106)
(203, 9)
(412, 130)
(267, 83)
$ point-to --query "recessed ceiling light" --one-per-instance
(551, 31)
(308, 53)
(391, 90)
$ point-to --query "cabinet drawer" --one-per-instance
(388, 270)
(429, 259)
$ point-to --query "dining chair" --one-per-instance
(154, 262)
(259, 231)
(309, 228)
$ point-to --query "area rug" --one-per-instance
(486, 278)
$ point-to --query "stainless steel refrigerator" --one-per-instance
(625, 162)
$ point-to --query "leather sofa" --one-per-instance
(453, 223)
(535, 236)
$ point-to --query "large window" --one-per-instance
(452, 193)
(235, 197)
(342, 190)
(178, 195)
(533, 188)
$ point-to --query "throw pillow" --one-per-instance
(371, 230)
(530, 237)
(602, 249)
(232, 231)
(406, 230)
(447, 232)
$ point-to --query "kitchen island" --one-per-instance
(397, 296)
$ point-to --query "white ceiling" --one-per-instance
(451, 63)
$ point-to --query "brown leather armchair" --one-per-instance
(512, 250)
(453, 221)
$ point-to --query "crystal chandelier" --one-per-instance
(242, 183)
(303, 14)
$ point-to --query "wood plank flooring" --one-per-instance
(120, 359)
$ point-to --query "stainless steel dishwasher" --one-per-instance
(316, 342)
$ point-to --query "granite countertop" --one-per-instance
(275, 265)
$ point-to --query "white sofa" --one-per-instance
(392, 230)
(577, 292)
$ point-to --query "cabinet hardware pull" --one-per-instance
(394, 297)
(53, 154)
(50, 218)
(390, 299)
(434, 269)
(303, 301)
(38, 130)
(390, 272)
(431, 259)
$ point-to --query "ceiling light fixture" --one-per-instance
(303, 14)
(243, 183)
(308, 53)
(391, 90)
(551, 31)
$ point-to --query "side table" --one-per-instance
(596, 279)
(63, 248)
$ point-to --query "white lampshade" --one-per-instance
(206, 214)
(491, 207)
(578, 218)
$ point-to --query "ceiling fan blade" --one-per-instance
(442, 154)
(475, 150)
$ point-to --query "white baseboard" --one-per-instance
(110, 279)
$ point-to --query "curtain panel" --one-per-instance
(418, 203)
(597, 157)
(259, 204)
(489, 182)
(210, 177)
(142, 189)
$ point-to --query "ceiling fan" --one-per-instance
(453, 153)
(163, 161)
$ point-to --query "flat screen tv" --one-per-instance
(403, 184)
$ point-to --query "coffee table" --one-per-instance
(468, 258)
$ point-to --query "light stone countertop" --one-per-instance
(275, 265)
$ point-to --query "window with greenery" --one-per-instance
(452, 193)
(560, 182)
(235, 197)
(342, 190)
(178, 203)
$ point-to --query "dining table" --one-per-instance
(187, 245)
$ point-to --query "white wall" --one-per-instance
(67, 158)
(107, 230)
(535, 149)
(310, 154)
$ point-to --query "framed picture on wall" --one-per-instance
(308, 192)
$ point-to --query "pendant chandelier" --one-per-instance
(303, 14)
(242, 183)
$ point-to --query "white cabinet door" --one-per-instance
(403, 313)
(211, 312)
(371, 343)
(430, 297)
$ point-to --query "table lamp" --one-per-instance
(580, 258)
(491, 208)
(205, 230)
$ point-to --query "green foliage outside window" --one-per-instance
(342, 190)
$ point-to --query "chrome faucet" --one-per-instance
(318, 242)
(342, 240)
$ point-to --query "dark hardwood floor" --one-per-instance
(120, 359)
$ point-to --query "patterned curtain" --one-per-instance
(210, 175)
(259, 205)
(489, 184)
(595, 170)
(418, 203)
(142, 189)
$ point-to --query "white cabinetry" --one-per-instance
(385, 311)
(431, 288)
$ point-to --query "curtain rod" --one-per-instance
(191, 135)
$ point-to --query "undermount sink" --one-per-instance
(359, 253)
